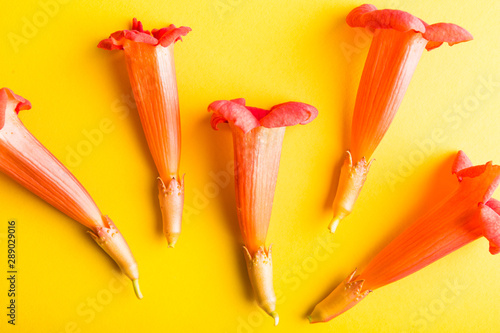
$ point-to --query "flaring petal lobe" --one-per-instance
(248, 118)
(137, 25)
(234, 112)
(289, 114)
(461, 162)
(258, 112)
(471, 172)
(446, 33)
(240, 101)
(367, 16)
(7, 95)
(491, 227)
(170, 34)
(163, 37)
(23, 103)
(484, 178)
(494, 204)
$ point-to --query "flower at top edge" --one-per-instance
(164, 36)
(367, 16)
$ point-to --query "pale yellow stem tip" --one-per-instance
(334, 224)
(137, 289)
(172, 239)
(274, 314)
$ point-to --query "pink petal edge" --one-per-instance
(289, 114)
(491, 227)
(170, 34)
(7, 95)
(367, 16)
(234, 112)
(163, 37)
(440, 33)
(248, 118)
(494, 204)
(489, 208)
(461, 162)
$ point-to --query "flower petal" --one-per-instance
(433, 45)
(494, 204)
(170, 34)
(480, 181)
(367, 16)
(137, 25)
(494, 183)
(258, 112)
(23, 103)
(7, 95)
(234, 112)
(471, 172)
(240, 101)
(118, 38)
(440, 33)
(163, 37)
(491, 226)
(461, 162)
(248, 117)
(109, 44)
(289, 114)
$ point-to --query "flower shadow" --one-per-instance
(350, 47)
(220, 158)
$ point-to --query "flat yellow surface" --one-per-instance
(268, 52)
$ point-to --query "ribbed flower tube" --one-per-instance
(392, 60)
(151, 69)
(398, 42)
(28, 162)
(257, 158)
(257, 140)
(466, 214)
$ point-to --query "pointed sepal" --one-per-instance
(260, 272)
(345, 296)
(352, 178)
(171, 196)
(110, 239)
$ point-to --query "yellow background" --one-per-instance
(268, 52)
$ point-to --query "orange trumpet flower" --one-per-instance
(463, 216)
(28, 162)
(398, 42)
(151, 70)
(257, 139)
